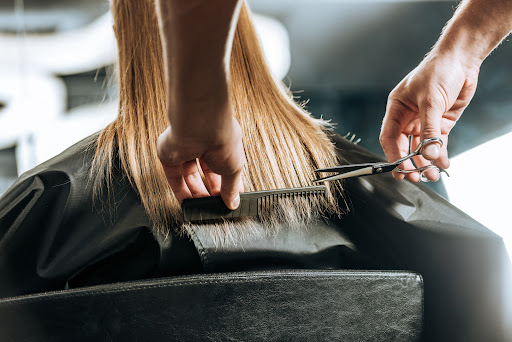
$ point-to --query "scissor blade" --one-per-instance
(356, 173)
(344, 168)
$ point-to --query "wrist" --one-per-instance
(206, 104)
(460, 43)
(208, 121)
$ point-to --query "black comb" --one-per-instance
(252, 204)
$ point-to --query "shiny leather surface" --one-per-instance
(320, 245)
(53, 237)
(263, 306)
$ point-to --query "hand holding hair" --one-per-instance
(428, 102)
(221, 159)
(197, 38)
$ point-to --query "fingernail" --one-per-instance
(236, 202)
(431, 152)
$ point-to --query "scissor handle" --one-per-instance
(425, 142)
(418, 149)
(422, 169)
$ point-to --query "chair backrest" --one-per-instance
(271, 306)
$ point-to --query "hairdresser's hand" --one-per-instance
(427, 103)
(219, 149)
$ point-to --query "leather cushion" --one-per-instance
(283, 305)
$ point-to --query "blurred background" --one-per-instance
(343, 56)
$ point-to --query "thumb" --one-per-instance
(431, 128)
(230, 189)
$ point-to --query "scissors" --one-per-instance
(357, 170)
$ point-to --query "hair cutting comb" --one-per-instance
(252, 204)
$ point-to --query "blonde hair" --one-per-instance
(283, 143)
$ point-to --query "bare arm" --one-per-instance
(429, 101)
(477, 27)
(197, 37)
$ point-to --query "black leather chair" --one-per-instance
(271, 306)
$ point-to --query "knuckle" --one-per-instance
(161, 154)
(382, 139)
(230, 190)
(435, 97)
(234, 191)
(429, 132)
(427, 102)
(168, 159)
(393, 94)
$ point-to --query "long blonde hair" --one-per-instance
(283, 143)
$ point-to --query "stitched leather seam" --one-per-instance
(202, 250)
(204, 282)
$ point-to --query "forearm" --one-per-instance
(477, 27)
(197, 38)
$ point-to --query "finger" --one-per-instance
(175, 178)
(390, 135)
(400, 149)
(431, 174)
(213, 179)
(392, 138)
(241, 187)
(193, 179)
(396, 153)
(443, 161)
(409, 165)
(171, 167)
(413, 176)
(430, 128)
(230, 188)
(164, 149)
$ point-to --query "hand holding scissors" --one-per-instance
(357, 170)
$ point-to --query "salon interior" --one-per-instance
(342, 57)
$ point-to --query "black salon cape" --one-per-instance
(52, 236)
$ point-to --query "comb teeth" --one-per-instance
(266, 202)
(252, 204)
